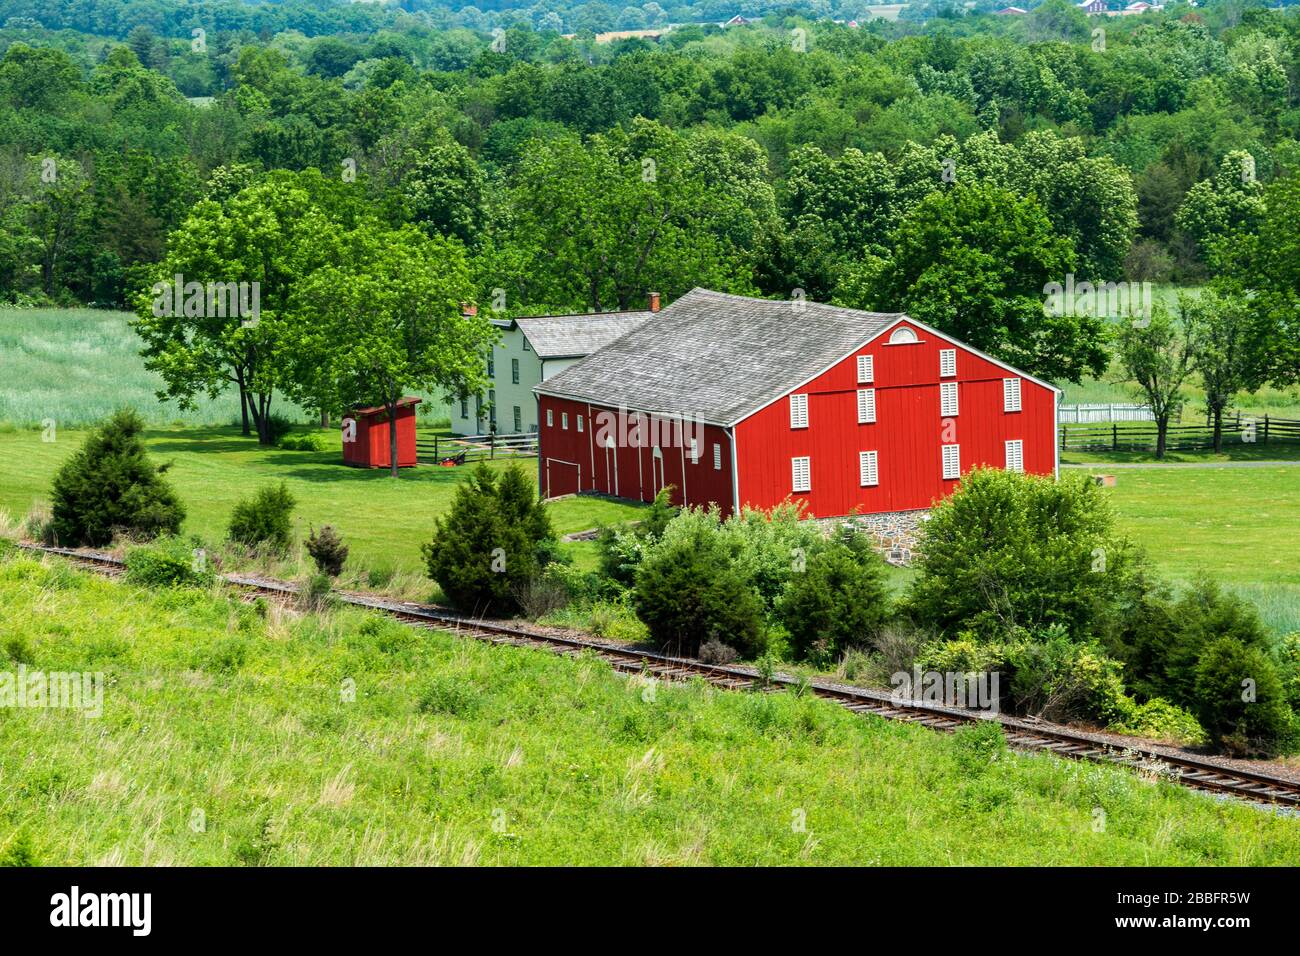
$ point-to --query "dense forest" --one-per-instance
(951, 166)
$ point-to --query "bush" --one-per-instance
(493, 540)
(315, 596)
(449, 695)
(277, 427)
(1023, 548)
(838, 601)
(1240, 700)
(715, 652)
(303, 441)
(327, 550)
(264, 522)
(621, 549)
(1159, 720)
(688, 593)
(169, 562)
(110, 485)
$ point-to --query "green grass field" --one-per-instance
(383, 521)
(228, 738)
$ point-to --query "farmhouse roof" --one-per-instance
(718, 356)
(573, 336)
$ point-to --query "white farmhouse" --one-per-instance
(532, 349)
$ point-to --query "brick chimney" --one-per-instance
(468, 309)
(654, 301)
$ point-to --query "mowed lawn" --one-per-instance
(1240, 526)
(384, 521)
(231, 738)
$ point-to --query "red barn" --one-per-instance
(366, 440)
(745, 401)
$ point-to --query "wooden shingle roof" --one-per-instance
(718, 356)
(573, 336)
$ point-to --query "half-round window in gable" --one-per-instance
(902, 336)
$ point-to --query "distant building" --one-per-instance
(1092, 7)
(531, 350)
(1010, 12)
(736, 21)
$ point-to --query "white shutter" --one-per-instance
(717, 456)
(947, 362)
(867, 468)
(866, 369)
(798, 411)
(951, 461)
(866, 406)
(695, 451)
(1011, 394)
(1015, 455)
(800, 470)
(947, 399)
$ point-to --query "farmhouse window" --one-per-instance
(492, 407)
(514, 371)
(947, 362)
(564, 421)
(1011, 394)
(866, 406)
(526, 348)
(464, 408)
(798, 411)
(951, 462)
(579, 423)
(1015, 455)
(867, 468)
(550, 418)
(947, 399)
(717, 456)
(866, 369)
(801, 472)
(519, 419)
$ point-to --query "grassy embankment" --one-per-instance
(226, 738)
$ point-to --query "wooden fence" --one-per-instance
(1141, 436)
(1102, 412)
(463, 449)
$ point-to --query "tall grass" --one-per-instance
(243, 735)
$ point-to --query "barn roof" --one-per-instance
(573, 336)
(718, 356)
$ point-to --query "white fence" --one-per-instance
(1103, 412)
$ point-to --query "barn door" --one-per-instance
(611, 467)
(656, 471)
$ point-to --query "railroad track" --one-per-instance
(1021, 734)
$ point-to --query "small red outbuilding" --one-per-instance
(366, 440)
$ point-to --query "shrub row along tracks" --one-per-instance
(1191, 771)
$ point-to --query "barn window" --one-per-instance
(947, 362)
(717, 456)
(695, 451)
(867, 471)
(579, 423)
(550, 418)
(514, 371)
(1011, 394)
(866, 406)
(947, 399)
(951, 461)
(564, 421)
(1015, 455)
(866, 369)
(902, 336)
(798, 411)
(519, 419)
(801, 472)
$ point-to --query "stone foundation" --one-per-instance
(893, 533)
